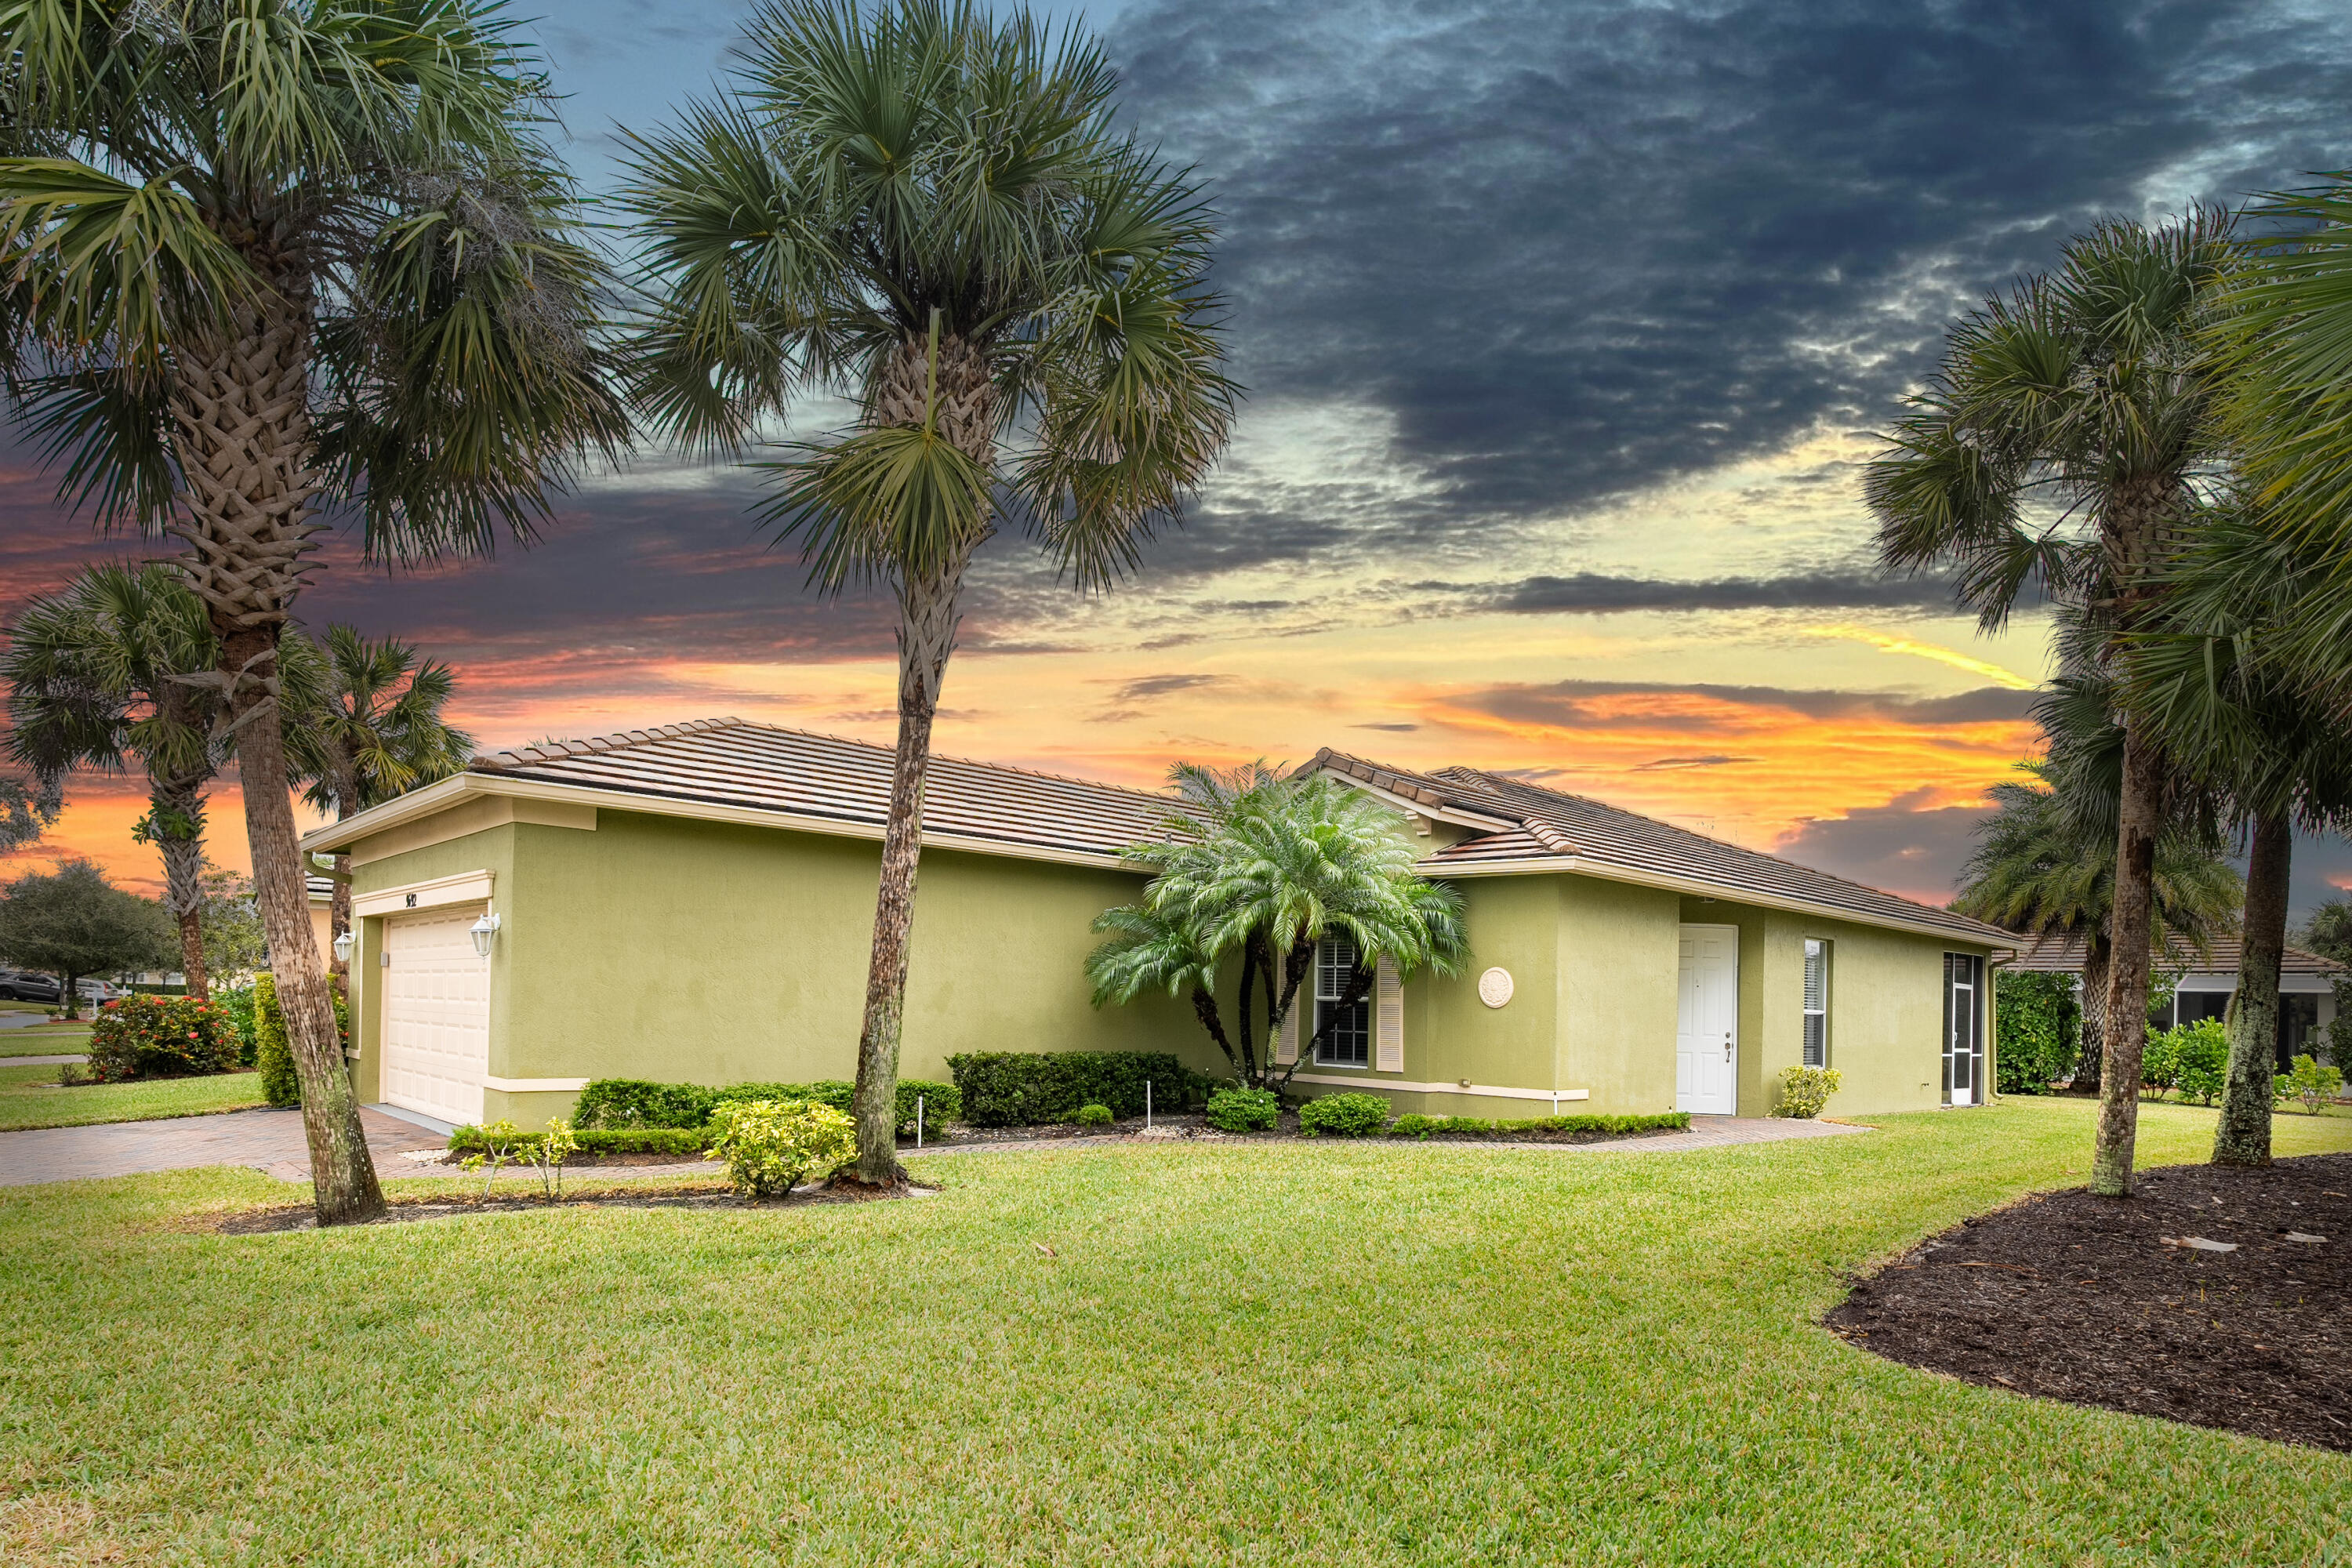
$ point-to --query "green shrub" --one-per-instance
(147, 1036)
(771, 1146)
(1244, 1109)
(2309, 1082)
(684, 1142)
(1419, 1126)
(236, 1001)
(1344, 1115)
(1016, 1089)
(271, 1053)
(1092, 1116)
(611, 1104)
(1805, 1091)
(2038, 1031)
(2191, 1058)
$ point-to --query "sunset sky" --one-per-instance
(1565, 327)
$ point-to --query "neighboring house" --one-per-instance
(2207, 979)
(696, 902)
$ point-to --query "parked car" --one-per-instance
(101, 990)
(24, 985)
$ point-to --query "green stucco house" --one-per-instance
(694, 902)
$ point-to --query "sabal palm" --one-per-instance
(2065, 435)
(98, 677)
(931, 213)
(1289, 863)
(364, 724)
(266, 254)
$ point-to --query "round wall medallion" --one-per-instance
(1495, 987)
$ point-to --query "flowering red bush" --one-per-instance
(161, 1037)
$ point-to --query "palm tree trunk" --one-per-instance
(2098, 957)
(2131, 928)
(240, 405)
(176, 810)
(2242, 1136)
(927, 627)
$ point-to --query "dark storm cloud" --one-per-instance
(1592, 593)
(1585, 704)
(1899, 845)
(1574, 248)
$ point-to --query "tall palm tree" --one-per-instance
(2064, 435)
(269, 255)
(2207, 680)
(933, 213)
(364, 724)
(1264, 870)
(98, 677)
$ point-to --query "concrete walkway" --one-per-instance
(38, 1061)
(268, 1141)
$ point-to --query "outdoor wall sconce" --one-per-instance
(343, 948)
(482, 931)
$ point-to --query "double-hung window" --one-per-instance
(1817, 1003)
(1346, 1027)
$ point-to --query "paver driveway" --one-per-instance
(269, 1140)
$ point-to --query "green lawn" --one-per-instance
(1311, 1353)
(32, 1097)
(44, 1040)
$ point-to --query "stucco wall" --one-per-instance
(658, 947)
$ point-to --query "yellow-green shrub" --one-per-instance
(1804, 1090)
(771, 1146)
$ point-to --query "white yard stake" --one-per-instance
(1147, 1105)
(919, 1121)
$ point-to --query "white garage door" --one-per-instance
(436, 1014)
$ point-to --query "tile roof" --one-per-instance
(1536, 823)
(737, 762)
(2064, 955)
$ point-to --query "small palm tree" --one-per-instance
(1264, 870)
(934, 214)
(267, 255)
(364, 724)
(2035, 869)
(2064, 435)
(98, 677)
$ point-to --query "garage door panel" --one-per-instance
(436, 1014)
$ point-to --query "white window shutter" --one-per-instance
(1388, 1018)
(1286, 1041)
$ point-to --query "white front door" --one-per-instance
(1707, 1022)
(436, 1014)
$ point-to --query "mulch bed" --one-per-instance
(2104, 1301)
(404, 1211)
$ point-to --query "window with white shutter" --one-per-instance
(1388, 1018)
(1817, 1003)
(1345, 1025)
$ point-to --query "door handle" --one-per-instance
(1727, 1045)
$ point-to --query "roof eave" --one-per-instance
(1990, 937)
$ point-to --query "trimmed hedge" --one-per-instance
(618, 1103)
(1022, 1089)
(160, 1036)
(272, 1051)
(1343, 1115)
(687, 1143)
(1487, 1127)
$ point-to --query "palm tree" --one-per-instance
(2207, 680)
(364, 724)
(1264, 869)
(2034, 870)
(98, 677)
(270, 255)
(933, 213)
(2063, 437)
